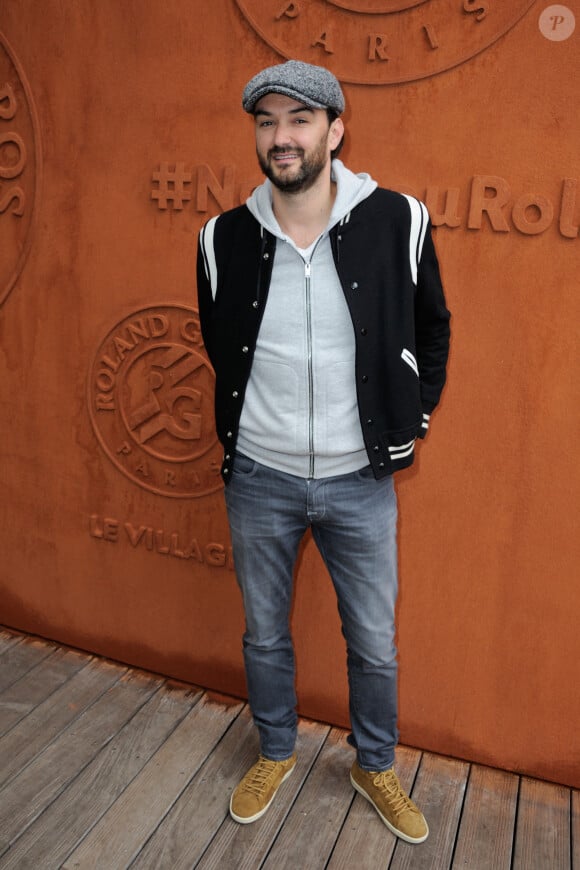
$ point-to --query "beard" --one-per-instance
(295, 180)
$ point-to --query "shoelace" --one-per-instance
(262, 772)
(387, 781)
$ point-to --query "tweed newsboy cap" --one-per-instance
(314, 86)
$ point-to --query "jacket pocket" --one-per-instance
(408, 357)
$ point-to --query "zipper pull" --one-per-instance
(307, 269)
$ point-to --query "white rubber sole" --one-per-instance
(391, 827)
(259, 815)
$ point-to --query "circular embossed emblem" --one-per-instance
(19, 168)
(379, 42)
(151, 402)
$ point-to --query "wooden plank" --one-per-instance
(36, 731)
(543, 827)
(364, 840)
(182, 837)
(59, 830)
(575, 830)
(37, 786)
(438, 792)
(20, 657)
(19, 699)
(317, 815)
(486, 832)
(7, 639)
(244, 847)
(118, 837)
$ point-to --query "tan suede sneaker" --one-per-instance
(258, 788)
(397, 810)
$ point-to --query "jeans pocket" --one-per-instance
(365, 473)
(243, 465)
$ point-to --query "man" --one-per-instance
(323, 315)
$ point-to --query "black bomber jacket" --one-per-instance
(387, 266)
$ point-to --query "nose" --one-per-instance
(282, 136)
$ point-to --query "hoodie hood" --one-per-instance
(351, 189)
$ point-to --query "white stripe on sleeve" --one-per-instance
(209, 254)
(419, 220)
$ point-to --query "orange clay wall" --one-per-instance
(121, 131)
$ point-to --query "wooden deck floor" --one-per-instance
(104, 766)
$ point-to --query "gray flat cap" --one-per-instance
(314, 86)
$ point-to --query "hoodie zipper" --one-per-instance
(310, 356)
(307, 274)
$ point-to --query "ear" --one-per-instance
(335, 133)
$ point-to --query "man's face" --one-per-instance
(293, 142)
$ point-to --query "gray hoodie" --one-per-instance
(300, 411)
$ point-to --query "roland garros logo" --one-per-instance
(20, 168)
(378, 42)
(151, 402)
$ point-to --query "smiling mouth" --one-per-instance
(282, 157)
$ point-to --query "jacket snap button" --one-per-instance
(266, 256)
(364, 379)
(363, 331)
(245, 348)
(354, 285)
(229, 434)
(376, 448)
(255, 303)
(235, 394)
(381, 464)
(370, 422)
